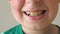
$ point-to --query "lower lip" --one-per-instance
(36, 17)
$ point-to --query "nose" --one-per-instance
(32, 4)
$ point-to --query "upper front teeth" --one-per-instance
(34, 13)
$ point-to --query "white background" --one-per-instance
(6, 19)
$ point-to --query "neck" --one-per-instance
(47, 30)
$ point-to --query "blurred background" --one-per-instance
(7, 21)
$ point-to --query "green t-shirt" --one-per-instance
(15, 30)
(18, 30)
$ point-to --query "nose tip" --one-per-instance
(34, 3)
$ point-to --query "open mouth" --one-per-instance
(34, 13)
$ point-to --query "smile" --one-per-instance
(35, 15)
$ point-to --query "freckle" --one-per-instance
(28, 2)
(32, 8)
(37, 2)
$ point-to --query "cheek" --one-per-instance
(53, 8)
(17, 4)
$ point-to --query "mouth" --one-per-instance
(37, 13)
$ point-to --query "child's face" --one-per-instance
(34, 12)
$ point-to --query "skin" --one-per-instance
(38, 26)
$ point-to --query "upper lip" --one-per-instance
(34, 9)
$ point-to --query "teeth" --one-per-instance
(34, 13)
